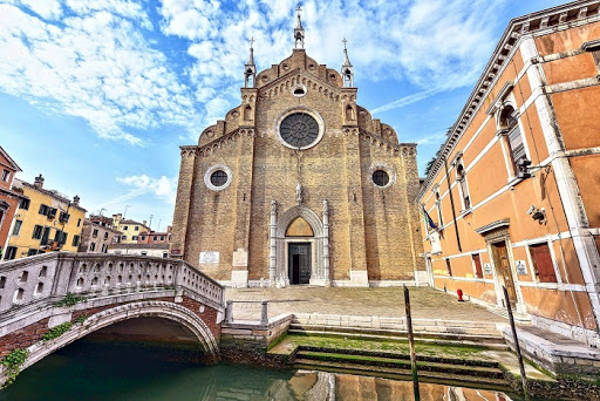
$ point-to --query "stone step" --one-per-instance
(461, 380)
(490, 337)
(402, 356)
(440, 367)
(490, 343)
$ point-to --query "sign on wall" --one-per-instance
(436, 244)
(209, 257)
(521, 267)
(487, 268)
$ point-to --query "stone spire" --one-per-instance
(347, 69)
(250, 68)
(298, 31)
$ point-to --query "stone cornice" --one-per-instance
(535, 23)
(325, 88)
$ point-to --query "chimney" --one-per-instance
(144, 222)
(76, 200)
(38, 182)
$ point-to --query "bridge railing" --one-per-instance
(51, 276)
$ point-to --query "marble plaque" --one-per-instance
(209, 258)
(487, 268)
(521, 267)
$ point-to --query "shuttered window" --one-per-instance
(477, 263)
(517, 147)
(542, 263)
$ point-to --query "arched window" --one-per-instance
(514, 138)
(438, 206)
(350, 113)
(461, 177)
(247, 113)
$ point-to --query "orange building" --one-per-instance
(523, 166)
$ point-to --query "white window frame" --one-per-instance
(534, 279)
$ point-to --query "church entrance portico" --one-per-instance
(299, 247)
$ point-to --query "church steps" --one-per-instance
(459, 367)
(491, 342)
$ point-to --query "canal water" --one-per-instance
(91, 370)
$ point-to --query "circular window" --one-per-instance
(299, 90)
(381, 178)
(299, 130)
(218, 178)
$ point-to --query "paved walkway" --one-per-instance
(426, 303)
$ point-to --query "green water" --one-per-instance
(90, 370)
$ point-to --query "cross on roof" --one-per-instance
(299, 9)
(344, 41)
(251, 41)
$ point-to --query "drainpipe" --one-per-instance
(452, 203)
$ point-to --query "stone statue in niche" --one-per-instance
(299, 194)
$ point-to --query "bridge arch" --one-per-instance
(107, 317)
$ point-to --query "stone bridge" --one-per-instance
(48, 301)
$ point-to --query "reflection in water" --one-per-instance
(100, 371)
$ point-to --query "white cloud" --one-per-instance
(96, 66)
(436, 45)
(164, 188)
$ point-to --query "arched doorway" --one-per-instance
(299, 250)
(299, 247)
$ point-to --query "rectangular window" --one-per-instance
(11, 253)
(144, 253)
(105, 235)
(162, 237)
(448, 267)
(477, 263)
(5, 175)
(64, 217)
(154, 238)
(17, 227)
(136, 228)
(32, 252)
(134, 238)
(63, 238)
(125, 228)
(45, 236)
(165, 254)
(542, 263)
(24, 204)
(75, 240)
(43, 210)
(78, 222)
(92, 246)
(95, 233)
(37, 232)
(124, 237)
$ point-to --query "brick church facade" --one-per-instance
(299, 185)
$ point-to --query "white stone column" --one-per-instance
(325, 260)
(273, 245)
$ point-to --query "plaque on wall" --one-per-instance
(209, 258)
(487, 268)
(521, 267)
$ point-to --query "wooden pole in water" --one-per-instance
(411, 343)
(516, 340)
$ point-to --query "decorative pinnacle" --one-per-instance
(298, 30)
(347, 62)
(299, 22)
(250, 61)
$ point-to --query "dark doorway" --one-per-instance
(299, 262)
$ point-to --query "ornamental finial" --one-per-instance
(298, 30)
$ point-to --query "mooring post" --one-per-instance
(516, 340)
(264, 317)
(411, 343)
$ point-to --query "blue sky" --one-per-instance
(98, 95)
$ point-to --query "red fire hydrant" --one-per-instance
(460, 295)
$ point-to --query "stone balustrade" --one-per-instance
(49, 277)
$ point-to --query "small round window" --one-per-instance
(381, 178)
(218, 178)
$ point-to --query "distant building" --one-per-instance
(130, 229)
(98, 233)
(9, 199)
(46, 221)
(155, 250)
(512, 196)
(155, 237)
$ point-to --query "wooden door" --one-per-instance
(503, 270)
(299, 265)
